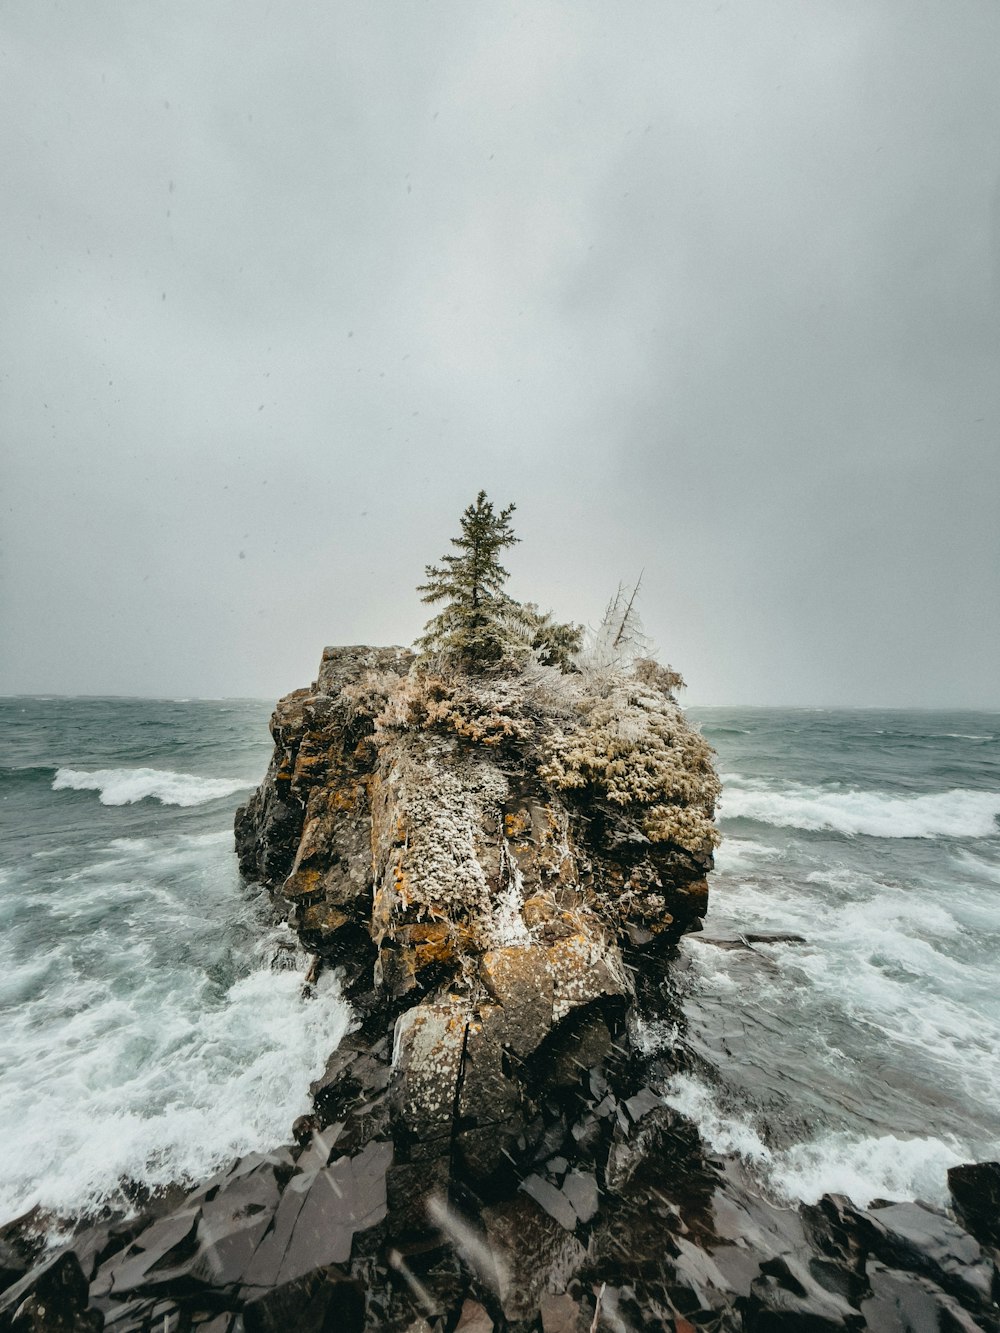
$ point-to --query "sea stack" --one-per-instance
(499, 866)
(503, 895)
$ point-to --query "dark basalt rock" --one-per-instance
(914, 1237)
(975, 1188)
(52, 1298)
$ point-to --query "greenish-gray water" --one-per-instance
(151, 1016)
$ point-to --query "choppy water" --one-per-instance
(145, 1034)
(144, 1031)
(866, 1060)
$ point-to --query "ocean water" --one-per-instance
(152, 1023)
(867, 1058)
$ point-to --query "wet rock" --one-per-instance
(129, 1316)
(912, 1236)
(21, 1245)
(319, 1214)
(152, 1259)
(532, 1253)
(832, 1226)
(222, 1323)
(786, 1297)
(773, 937)
(552, 1199)
(165, 1317)
(316, 1303)
(473, 1318)
(52, 1298)
(355, 1075)
(411, 1189)
(580, 1188)
(905, 1303)
(522, 984)
(575, 1045)
(561, 1314)
(12, 1265)
(975, 1188)
(488, 1088)
(429, 1045)
(320, 1147)
(644, 1101)
(583, 969)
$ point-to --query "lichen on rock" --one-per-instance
(497, 808)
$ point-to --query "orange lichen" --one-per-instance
(302, 883)
(323, 918)
(517, 823)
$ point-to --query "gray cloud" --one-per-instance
(707, 290)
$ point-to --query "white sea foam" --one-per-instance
(146, 1034)
(978, 865)
(863, 1167)
(904, 976)
(952, 814)
(722, 1132)
(878, 1167)
(128, 1088)
(737, 854)
(124, 786)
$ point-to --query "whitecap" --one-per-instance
(125, 786)
(862, 1167)
(723, 1132)
(164, 1093)
(735, 854)
(952, 814)
(875, 1167)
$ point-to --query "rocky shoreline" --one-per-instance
(488, 1148)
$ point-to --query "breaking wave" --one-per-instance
(948, 814)
(865, 1168)
(125, 786)
(151, 1088)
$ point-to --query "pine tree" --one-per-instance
(554, 643)
(480, 625)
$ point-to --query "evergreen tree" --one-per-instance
(480, 625)
(554, 643)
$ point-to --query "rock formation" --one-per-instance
(500, 867)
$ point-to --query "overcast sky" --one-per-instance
(710, 290)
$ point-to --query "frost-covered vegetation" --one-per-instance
(614, 734)
(632, 745)
(598, 719)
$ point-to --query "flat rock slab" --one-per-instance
(473, 1318)
(904, 1301)
(521, 983)
(152, 1257)
(910, 1236)
(347, 1197)
(427, 1058)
